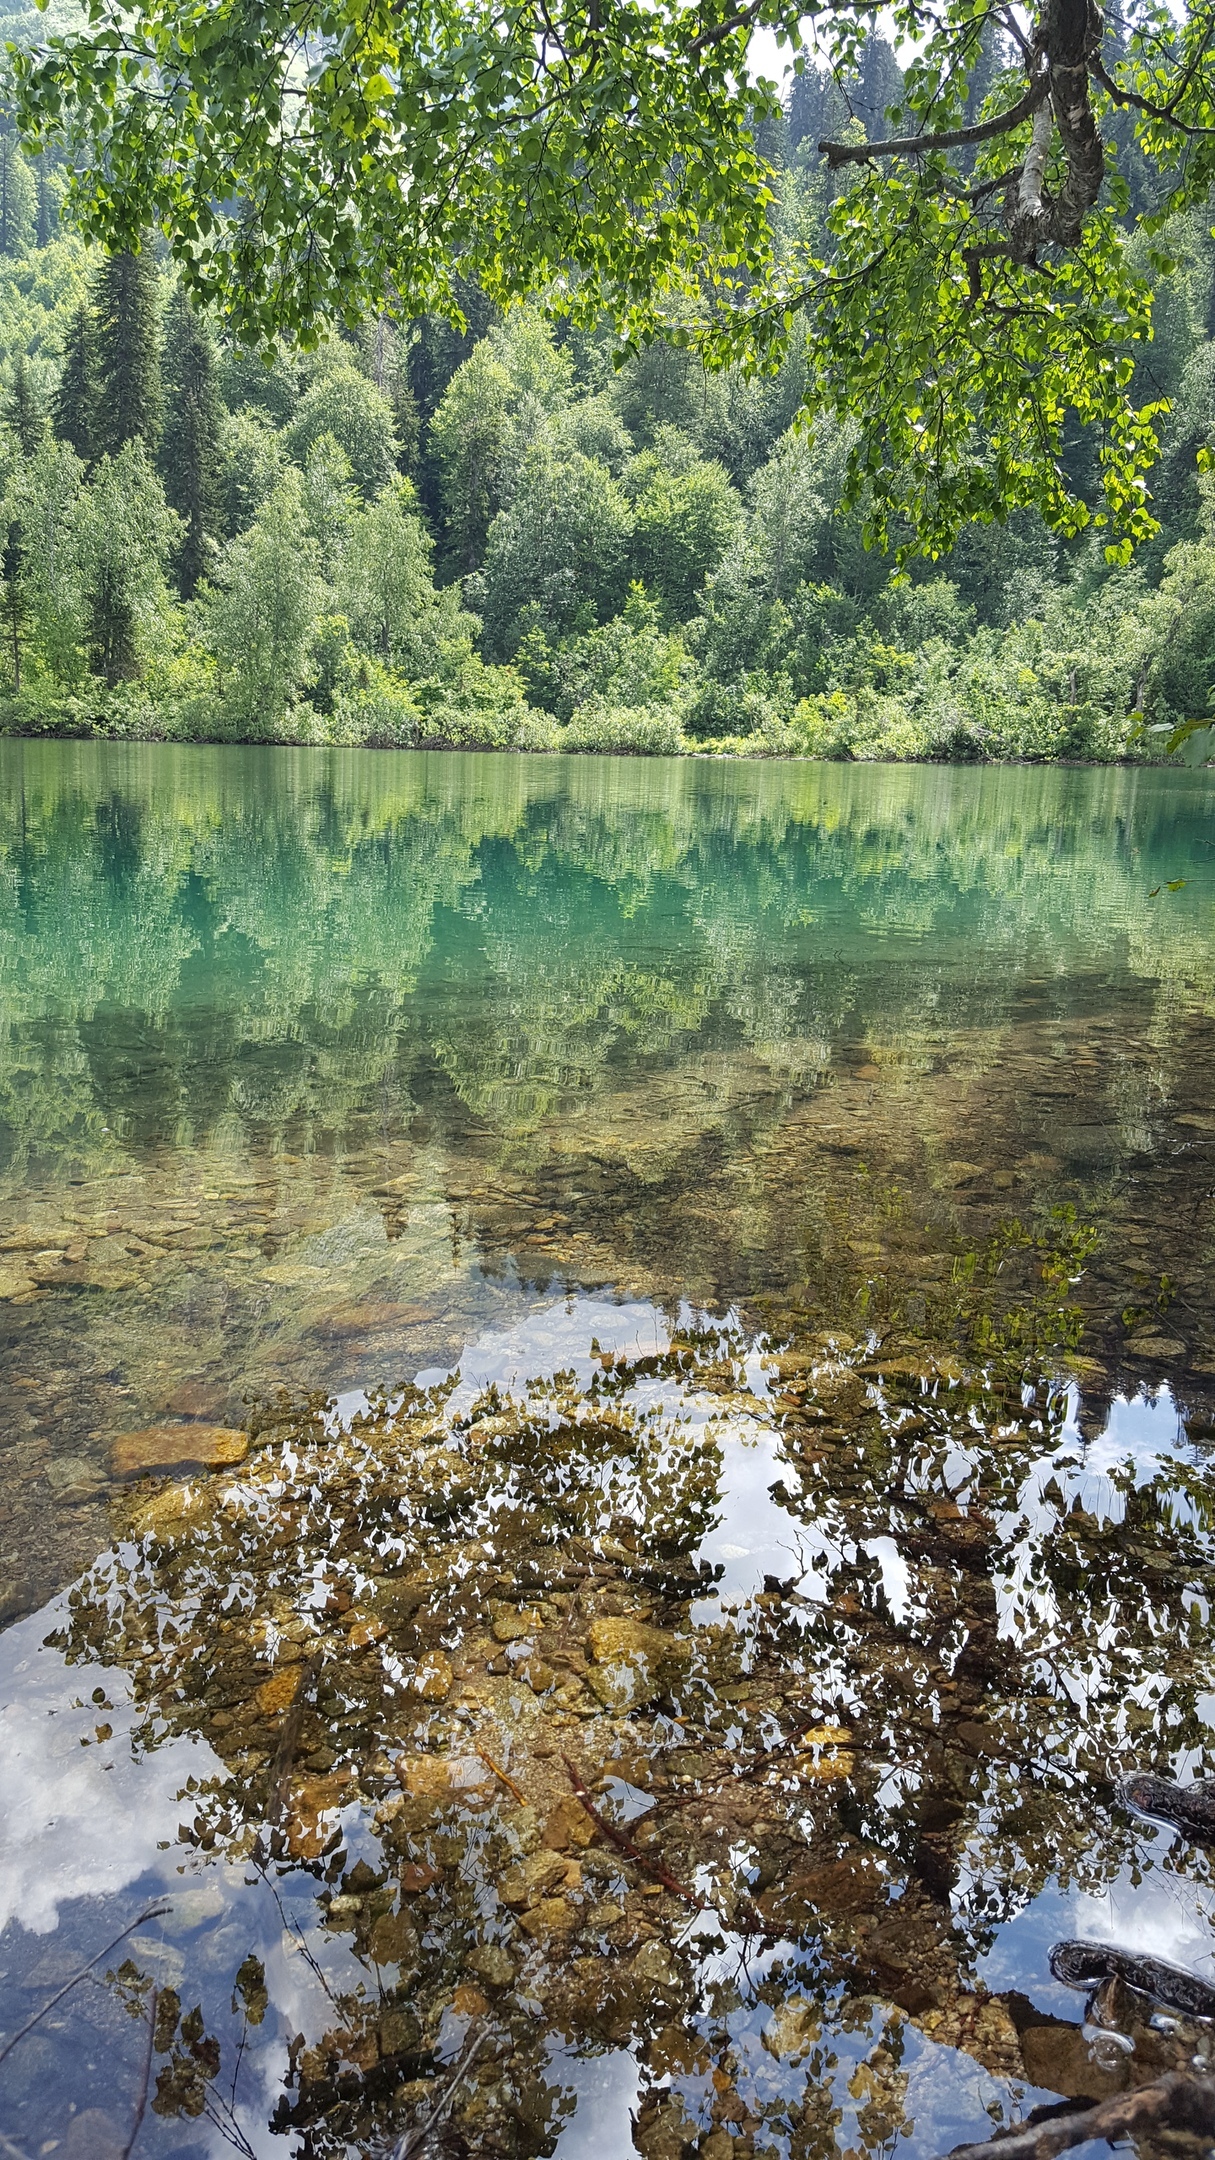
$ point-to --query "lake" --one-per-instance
(608, 1383)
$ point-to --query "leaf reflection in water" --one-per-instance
(870, 1624)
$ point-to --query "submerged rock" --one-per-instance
(177, 1447)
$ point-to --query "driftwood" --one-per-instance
(1175, 2103)
(1087, 1964)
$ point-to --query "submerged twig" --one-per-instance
(414, 2139)
(289, 1740)
(153, 1913)
(625, 1844)
(1176, 2102)
(142, 2101)
(500, 1773)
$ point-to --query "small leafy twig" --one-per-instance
(414, 2139)
(153, 1913)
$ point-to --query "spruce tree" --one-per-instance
(75, 407)
(47, 216)
(14, 605)
(190, 447)
(128, 353)
(23, 410)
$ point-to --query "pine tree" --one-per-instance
(75, 408)
(128, 352)
(190, 457)
(23, 411)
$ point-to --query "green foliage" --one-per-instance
(79, 391)
(612, 152)
(344, 405)
(628, 663)
(128, 352)
(558, 555)
(629, 731)
(123, 534)
(388, 595)
(18, 199)
(616, 568)
(494, 407)
(24, 410)
(190, 444)
(261, 621)
(686, 516)
(252, 459)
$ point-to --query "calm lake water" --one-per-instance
(607, 1381)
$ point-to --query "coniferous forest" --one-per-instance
(502, 536)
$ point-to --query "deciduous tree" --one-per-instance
(190, 454)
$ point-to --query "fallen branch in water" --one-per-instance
(1176, 2103)
(153, 1913)
(625, 1844)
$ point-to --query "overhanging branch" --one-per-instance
(950, 139)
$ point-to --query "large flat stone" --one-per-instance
(177, 1447)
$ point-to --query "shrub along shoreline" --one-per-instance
(608, 734)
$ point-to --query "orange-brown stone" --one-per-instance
(177, 1447)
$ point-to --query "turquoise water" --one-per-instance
(818, 1162)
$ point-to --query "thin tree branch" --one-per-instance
(142, 2101)
(1144, 105)
(838, 154)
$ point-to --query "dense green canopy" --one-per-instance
(986, 278)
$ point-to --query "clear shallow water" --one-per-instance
(783, 1197)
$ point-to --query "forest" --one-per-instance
(509, 536)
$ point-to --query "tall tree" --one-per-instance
(14, 601)
(262, 621)
(50, 196)
(23, 410)
(128, 352)
(123, 537)
(18, 199)
(191, 457)
(76, 400)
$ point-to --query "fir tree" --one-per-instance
(190, 460)
(75, 409)
(128, 353)
(18, 199)
(23, 411)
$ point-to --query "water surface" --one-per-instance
(691, 1284)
